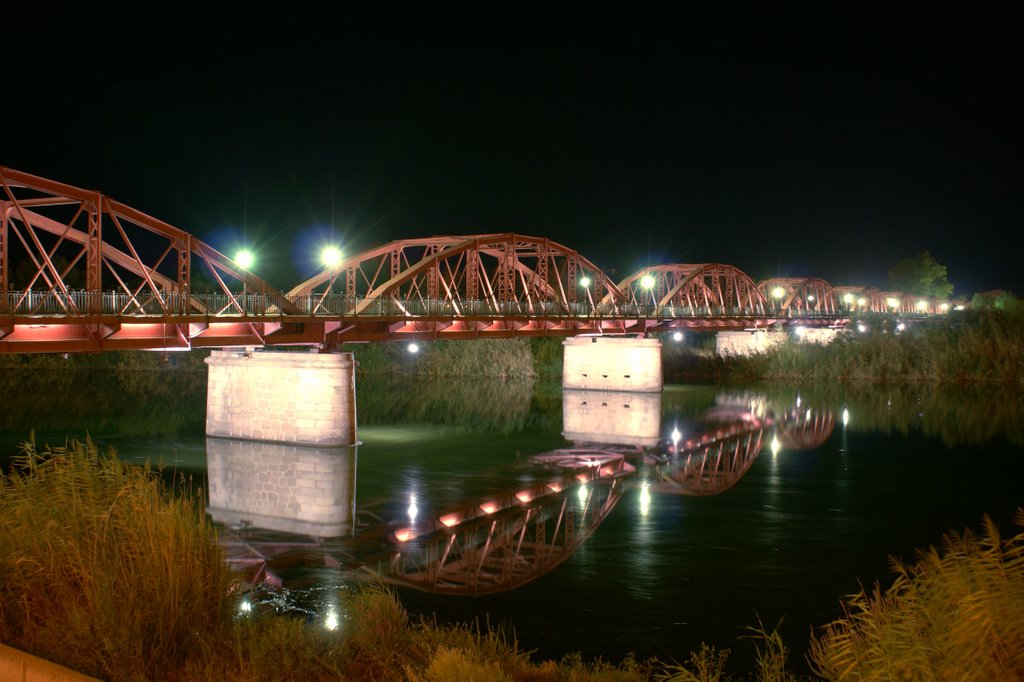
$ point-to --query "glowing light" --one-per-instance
(450, 520)
(489, 507)
(944, 307)
(245, 606)
(847, 299)
(331, 622)
(778, 292)
(675, 437)
(892, 302)
(645, 499)
(404, 534)
(678, 336)
(861, 327)
(846, 417)
(800, 331)
(810, 297)
(414, 348)
(647, 281)
(900, 327)
(245, 258)
(807, 416)
(959, 307)
(413, 510)
(554, 487)
(584, 281)
(582, 494)
(524, 496)
(331, 256)
(775, 445)
(798, 401)
(862, 302)
(922, 305)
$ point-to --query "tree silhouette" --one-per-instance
(920, 276)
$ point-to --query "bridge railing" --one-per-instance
(78, 302)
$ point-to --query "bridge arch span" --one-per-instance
(803, 294)
(468, 275)
(693, 287)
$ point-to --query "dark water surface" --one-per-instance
(685, 543)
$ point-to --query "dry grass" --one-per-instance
(954, 614)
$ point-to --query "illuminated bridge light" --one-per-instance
(848, 299)
(778, 292)
(922, 305)
(944, 307)
(647, 281)
(245, 258)
(892, 302)
(584, 281)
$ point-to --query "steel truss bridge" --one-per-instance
(102, 275)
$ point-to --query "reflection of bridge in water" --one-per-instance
(503, 541)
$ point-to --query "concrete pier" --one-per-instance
(300, 398)
(612, 364)
(747, 343)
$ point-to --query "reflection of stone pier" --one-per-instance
(280, 487)
(614, 417)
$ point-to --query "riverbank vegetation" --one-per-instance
(107, 571)
(985, 345)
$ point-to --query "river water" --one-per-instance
(581, 521)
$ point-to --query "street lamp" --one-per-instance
(584, 281)
(245, 258)
(331, 258)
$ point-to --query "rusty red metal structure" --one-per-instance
(792, 294)
(505, 541)
(81, 272)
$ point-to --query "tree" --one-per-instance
(920, 276)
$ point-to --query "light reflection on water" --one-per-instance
(723, 535)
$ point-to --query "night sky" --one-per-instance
(830, 141)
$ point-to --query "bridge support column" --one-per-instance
(612, 364)
(300, 398)
(747, 343)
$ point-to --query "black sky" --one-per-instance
(826, 140)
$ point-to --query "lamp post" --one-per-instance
(331, 258)
(245, 259)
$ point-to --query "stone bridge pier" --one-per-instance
(299, 398)
(612, 364)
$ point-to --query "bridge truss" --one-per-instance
(82, 272)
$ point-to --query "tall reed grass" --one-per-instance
(101, 568)
(954, 614)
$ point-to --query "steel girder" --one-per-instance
(806, 294)
(689, 289)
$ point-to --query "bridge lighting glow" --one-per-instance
(331, 622)
(647, 281)
(581, 495)
(846, 417)
(675, 437)
(959, 307)
(900, 327)
(245, 258)
(778, 292)
(331, 256)
(245, 606)
(414, 348)
(584, 281)
(800, 331)
(807, 417)
(861, 327)
(922, 305)
(892, 302)
(775, 445)
(645, 499)
(847, 299)
(944, 307)
(862, 302)
(678, 336)
(413, 510)
(810, 297)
